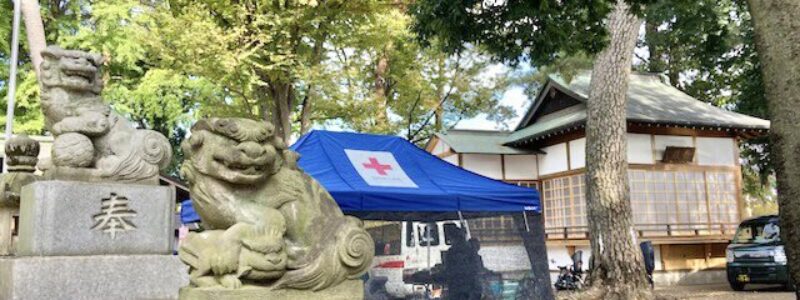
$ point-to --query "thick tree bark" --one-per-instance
(34, 27)
(777, 32)
(617, 264)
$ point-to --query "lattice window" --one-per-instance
(668, 197)
(663, 202)
(691, 199)
(722, 198)
(498, 229)
(564, 201)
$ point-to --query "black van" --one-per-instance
(756, 254)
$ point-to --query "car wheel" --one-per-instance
(737, 286)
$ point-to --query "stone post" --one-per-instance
(21, 157)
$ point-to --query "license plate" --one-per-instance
(743, 278)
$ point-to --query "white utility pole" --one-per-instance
(12, 76)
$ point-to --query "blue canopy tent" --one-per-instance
(378, 177)
(188, 214)
(381, 177)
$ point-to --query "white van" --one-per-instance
(401, 248)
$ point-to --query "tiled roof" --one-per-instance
(479, 142)
(650, 100)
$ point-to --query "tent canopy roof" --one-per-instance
(441, 189)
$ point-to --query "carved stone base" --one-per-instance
(347, 290)
(79, 218)
(92, 277)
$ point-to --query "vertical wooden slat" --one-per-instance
(739, 198)
(736, 154)
(571, 200)
(653, 148)
(503, 166)
(569, 159)
(675, 191)
(708, 199)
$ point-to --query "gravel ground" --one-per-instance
(724, 292)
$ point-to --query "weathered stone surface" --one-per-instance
(91, 277)
(347, 290)
(270, 227)
(92, 143)
(76, 218)
(21, 152)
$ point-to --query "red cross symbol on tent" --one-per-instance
(377, 166)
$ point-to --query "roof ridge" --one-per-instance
(477, 131)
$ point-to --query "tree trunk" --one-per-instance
(777, 37)
(282, 96)
(617, 264)
(656, 60)
(35, 31)
(306, 109)
(439, 119)
(381, 90)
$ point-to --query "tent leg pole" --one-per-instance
(428, 241)
(465, 224)
(527, 226)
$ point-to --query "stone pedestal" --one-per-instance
(347, 290)
(92, 277)
(78, 218)
(91, 241)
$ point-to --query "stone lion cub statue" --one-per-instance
(92, 143)
(268, 224)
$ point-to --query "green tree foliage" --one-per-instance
(423, 90)
(294, 63)
(539, 31)
(707, 50)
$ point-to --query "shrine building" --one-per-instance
(684, 170)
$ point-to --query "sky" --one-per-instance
(514, 97)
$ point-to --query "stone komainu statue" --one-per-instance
(92, 143)
(268, 223)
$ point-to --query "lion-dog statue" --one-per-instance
(92, 143)
(267, 223)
